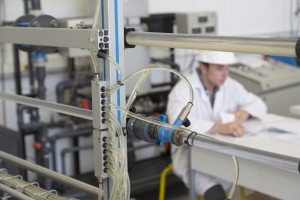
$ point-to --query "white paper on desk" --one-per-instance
(227, 117)
(253, 127)
(286, 127)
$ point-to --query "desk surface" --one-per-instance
(270, 180)
(270, 136)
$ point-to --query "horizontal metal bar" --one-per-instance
(266, 46)
(60, 108)
(48, 173)
(54, 37)
(14, 193)
(270, 159)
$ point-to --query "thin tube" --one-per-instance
(236, 178)
(109, 58)
(14, 193)
(112, 89)
(134, 92)
(281, 47)
(121, 172)
(48, 173)
(60, 108)
(94, 38)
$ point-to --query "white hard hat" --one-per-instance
(216, 57)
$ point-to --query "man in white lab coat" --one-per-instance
(215, 93)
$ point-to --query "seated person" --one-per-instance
(215, 93)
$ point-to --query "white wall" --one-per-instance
(57, 8)
(237, 17)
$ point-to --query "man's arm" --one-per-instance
(248, 103)
(233, 128)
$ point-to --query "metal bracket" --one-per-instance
(100, 127)
(103, 39)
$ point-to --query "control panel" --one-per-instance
(204, 23)
(270, 76)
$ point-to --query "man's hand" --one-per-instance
(241, 116)
(233, 128)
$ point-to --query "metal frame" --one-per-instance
(55, 37)
(111, 19)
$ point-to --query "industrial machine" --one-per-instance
(106, 41)
(277, 83)
(204, 23)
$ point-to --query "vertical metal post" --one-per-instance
(192, 173)
(111, 19)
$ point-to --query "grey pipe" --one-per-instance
(270, 159)
(35, 4)
(69, 110)
(282, 47)
(14, 193)
(73, 133)
(72, 149)
(62, 86)
(48, 173)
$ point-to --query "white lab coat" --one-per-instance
(230, 97)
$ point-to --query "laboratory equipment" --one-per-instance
(204, 23)
(278, 84)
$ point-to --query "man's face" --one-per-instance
(216, 74)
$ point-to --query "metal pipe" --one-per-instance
(72, 150)
(14, 193)
(26, 7)
(35, 4)
(65, 109)
(30, 74)
(267, 46)
(51, 174)
(73, 133)
(55, 37)
(271, 159)
(17, 70)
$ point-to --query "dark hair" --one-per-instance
(205, 63)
